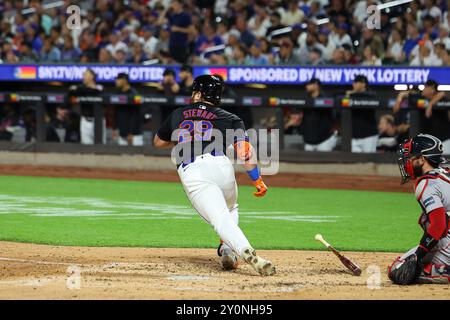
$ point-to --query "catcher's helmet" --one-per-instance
(210, 87)
(424, 145)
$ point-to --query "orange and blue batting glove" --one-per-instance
(259, 184)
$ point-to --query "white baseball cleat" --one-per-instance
(228, 259)
(262, 266)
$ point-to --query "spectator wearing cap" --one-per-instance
(318, 123)
(315, 57)
(255, 56)
(208, 39)
(328, 45)
(364, 124)
(149, 40)
(180, 27)
(186, 76)
(340, 35)
(275, 23)
(115, 44)
(127, 125)
(286, 54)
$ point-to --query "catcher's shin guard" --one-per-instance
(435, 273)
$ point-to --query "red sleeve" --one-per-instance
(438, 223)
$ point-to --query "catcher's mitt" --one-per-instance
(405, 271)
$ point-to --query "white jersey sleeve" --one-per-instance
(429, 194)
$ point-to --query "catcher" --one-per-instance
(421, 159)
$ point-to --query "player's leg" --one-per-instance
(356, 145)
(201, 180)
(437, 263)
(86, 131)
(370, 144)
(227, 256)
(138, 140)
(207, 198)
(446, 146)
(222, 171)
(328, 145)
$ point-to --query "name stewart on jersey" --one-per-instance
(199, 128)
(199, 113)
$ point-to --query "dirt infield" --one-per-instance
(29, 271)
(321, 181)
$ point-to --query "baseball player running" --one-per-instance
(207, 174)
(429, 262)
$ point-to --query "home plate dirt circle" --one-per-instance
(30, 271)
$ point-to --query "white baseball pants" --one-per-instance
(87, 131)
(210, 186)
(365, 145)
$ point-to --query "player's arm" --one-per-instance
(163, 137)
(437, 217)
(244, 151)
(160, 143)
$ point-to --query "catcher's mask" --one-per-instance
(424, 145)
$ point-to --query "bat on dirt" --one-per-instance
(345, 261)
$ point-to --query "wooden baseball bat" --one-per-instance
(353, 267)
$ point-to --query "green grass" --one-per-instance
(155, 214)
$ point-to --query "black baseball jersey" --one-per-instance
(198, 126)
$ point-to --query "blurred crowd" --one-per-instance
(244, 32)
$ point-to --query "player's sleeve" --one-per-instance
(165, 131)
(428, 195)
(240, 133)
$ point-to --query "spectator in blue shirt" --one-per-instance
(49, 52)
(180, 26)
(69, 52)
(209, 38)
(255, 57)
(413, 39)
